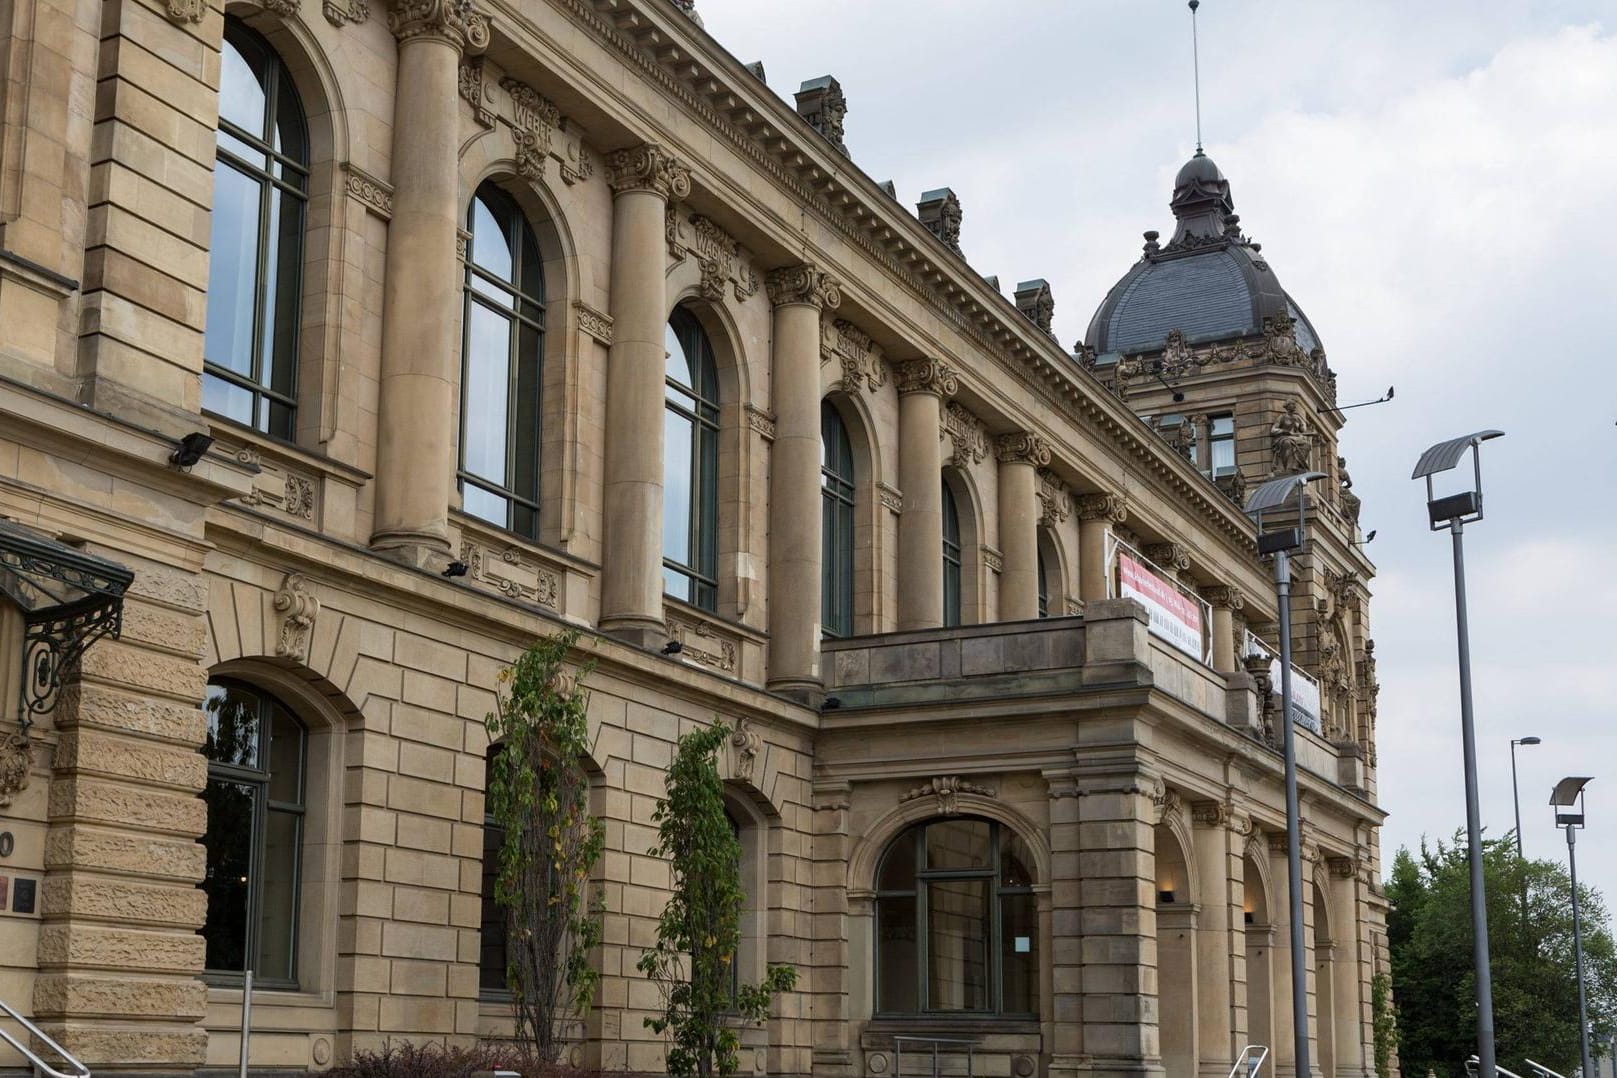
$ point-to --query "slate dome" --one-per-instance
(1208, 281)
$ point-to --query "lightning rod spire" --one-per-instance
(1196, 60)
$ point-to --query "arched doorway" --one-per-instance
(1176, 955)
(1259, 956)
(1324, 988)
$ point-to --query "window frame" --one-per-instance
(838, 506)
(262, 393)
(1217, 438)
(698, 404)
(953, 575)
(1041, 566)
(260, 777)
(923, 876)
(524, 296)
(492, 829)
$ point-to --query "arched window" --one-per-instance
(691, 465)
(956, 921)
(255, 796)
(1044, 585)
(499, 386)
(255, 260)
(951, 558)
(836, 521)
(492, 955)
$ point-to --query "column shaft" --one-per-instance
(1020, 455)
(1096, 515)
(922, 385)
(415, 456)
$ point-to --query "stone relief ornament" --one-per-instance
(1021, 447)
(701, 645)
(1291, 442)
(535, 119)
(761, 422)
(511, 574)
(927, 376)
(374, 194)
(16, 758)
(1350, 501)
(1055, 500)
(475, 92)
(297, 607)
(1226, 596)
(1103, 505)
(647, 167)
(966, 432)
(1210, 813)
(747, 744)
(993, 559)
(1172, 557)
(338, 12)
(455, 21)
(184, 11)
(860, 358)
(947, 790)
(718, 256)
(593, 322)
(802, 283)
(891, 497)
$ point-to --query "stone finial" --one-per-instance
(756, 69)
(821, 103)
(1033, 299)
(1022, 447)
(1151, 244)
(927, 376)
(802, 284)
(940, 212)
(1103, 505)
(455, 21)
(647, 167)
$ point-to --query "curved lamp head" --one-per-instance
(1567, 798)
(1277, 494)
(1528, 741)
(1466, 506)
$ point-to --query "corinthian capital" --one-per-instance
(1022, 447)
(1103, 506)
(802, 284)
(1227, 596)
(647, 167)
(456, 21)
(927, 376)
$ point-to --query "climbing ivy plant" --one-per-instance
(700, 929)
(538, 792)
(1384, 1024)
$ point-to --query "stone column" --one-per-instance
(415, 454)
(1020, 455)
(643, 179)
(1280, 967)
(1225, 599)
(1096, 515)
(922, 385)
(1219, 929)
(799, 294)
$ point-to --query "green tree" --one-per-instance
(700, 929)
(1534, 987)
(538, 792)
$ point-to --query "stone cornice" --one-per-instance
(803, 284)
(927, 376)
(456, 21)
(647, 167)
(1022, 447)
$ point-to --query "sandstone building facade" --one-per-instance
(507, 317)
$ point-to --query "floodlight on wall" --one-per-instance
(190, 450)
(1464, 507)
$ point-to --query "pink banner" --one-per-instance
(1175, 616)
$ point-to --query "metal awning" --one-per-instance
(69, 600)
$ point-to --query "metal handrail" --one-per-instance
(1245, 1065)
(1545, 1072)
(898, 1053)
(79, 1069)
(1473, 1063)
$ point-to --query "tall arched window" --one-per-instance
(691, 465)
(255, 260)
(255, 796)
(1044, 585)
(499, 385)
(951, 558)
(956, 921)
(836, 521)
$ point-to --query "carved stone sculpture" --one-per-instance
(1291, 442)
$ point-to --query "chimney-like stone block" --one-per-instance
(820, 102)
(940, 212)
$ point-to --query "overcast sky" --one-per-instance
(1434, 184)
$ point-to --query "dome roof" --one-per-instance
(1209, 282)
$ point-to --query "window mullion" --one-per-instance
(513, 361)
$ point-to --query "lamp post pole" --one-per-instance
(1577, 948)
(1294, 839)
(1516, 800)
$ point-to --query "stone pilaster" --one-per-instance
(1066, 934)
(1225, 600)
(799, 294)
(643, 179)
(1351, 972)
(1021, 455)
(1096, 515)
(922, 385)
(415, 455)
(1219, 936)
(1280, 916)
(828, 978)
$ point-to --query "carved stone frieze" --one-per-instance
(1022, 447)
(339, 12)
(647, 167)
(1055, 500)
(720, 258)
(511, 573)
(762, 422)
(746, 744)
(455, 21)
(993, 559)
(891, 497)
(593, 322)
(863, 366)
(927, 376)
(947, 789)
(966, 431)
(802, 283)
(278, 487)
(534, 120)
(702, 645)
(1103, 505)
(297, 608)
(372, 193)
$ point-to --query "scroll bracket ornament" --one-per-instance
(747, 744)
(298, 608)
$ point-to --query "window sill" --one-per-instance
(965, 1026)
(226, 992)
(228, 431)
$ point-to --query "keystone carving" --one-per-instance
(927, 376)
(298, 608)
(802, 283)
(860, 357)
(647, 167)
(747, 744)
(1022, 447)
(947, 789)
(456, 21)
(536, 117)
(1113, 508)
(966, 431)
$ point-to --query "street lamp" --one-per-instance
(1567, 797)
(1516, 797)
(1453, 512)
(1274, 495)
